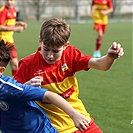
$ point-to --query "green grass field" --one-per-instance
(107, 95)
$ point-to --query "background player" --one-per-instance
(9, 25)
(99, 12)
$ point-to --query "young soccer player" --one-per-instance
(57, 62)
(9, 25)
(19, 113)
(99, 12)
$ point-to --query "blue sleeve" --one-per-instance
(33, 93)
(22, 92)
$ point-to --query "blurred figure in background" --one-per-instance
(99, 13)
(9, 25)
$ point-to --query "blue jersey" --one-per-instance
(18, 111)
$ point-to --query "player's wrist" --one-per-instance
(111, 56)
(6, 28)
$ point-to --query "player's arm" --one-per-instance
(91, 9)
(109, 9)
(80, 121)
(21, 23)
(3, 28)
(105, 62)
(106, 12)
(11, 28)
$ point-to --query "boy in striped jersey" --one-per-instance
(57, 62)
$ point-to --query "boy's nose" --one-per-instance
(50, 54)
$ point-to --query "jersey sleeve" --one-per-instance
(33, 93)
(110, 4)
(77, 60)
(81, 61)
(23, 92)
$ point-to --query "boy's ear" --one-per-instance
(66, 44)
(39, 39)
(2, 70)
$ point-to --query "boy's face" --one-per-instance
(9, 3)
(52, 55)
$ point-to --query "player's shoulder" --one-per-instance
(8, 81)
(71, 51)
(70, 47)
(14, 9)
(109, 1)
(30, 59)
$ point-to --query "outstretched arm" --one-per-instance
(105, 62)
(80, 121)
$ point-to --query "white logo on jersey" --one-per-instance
(4, 105)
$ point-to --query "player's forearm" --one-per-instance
(3, 28)
(7, 28)
(92, 10)
(103, 63)
(54, 98)
(80, 121)
(21, 23)
(109, 11)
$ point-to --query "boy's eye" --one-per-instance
(46, 49)
(55, 51)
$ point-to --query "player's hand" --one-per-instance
(80, 121)
(21, 23)
(103, 12)
(24, 25)
(36, 81)
(18, 29)
(115, 51)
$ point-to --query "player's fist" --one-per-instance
(18, 29)
(24, 25)
(115, 51)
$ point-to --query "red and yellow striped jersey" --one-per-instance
(59, 78)
(100, 5)
(7, 18)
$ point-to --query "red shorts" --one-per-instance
(98, 27)
(14, 51)
(93, 128)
